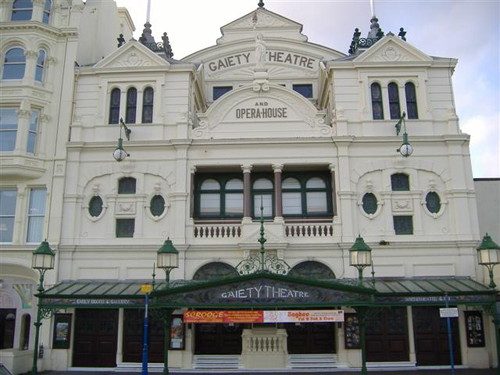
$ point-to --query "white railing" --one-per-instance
(217, 231)
(266, 341)
(309, 230)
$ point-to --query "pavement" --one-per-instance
(440, 371)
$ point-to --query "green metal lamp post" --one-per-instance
(488, 255)
(405, 149)
(360, 256)
(167, 259)
(120, 154)
(43, 260)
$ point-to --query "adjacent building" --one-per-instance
(264, 134)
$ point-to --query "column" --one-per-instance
(37, 14)
(411, 335)
(30, 67)
(334, 190)
(5, 7)
(23, 125)
(119, 348)
(138, 108)
(278, 201)
(385, 101)
(247, 196)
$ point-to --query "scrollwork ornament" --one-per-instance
(201, 129)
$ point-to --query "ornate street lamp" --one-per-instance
(405, 149)
(488, 255)
(120, 154)
(360, 256)
(43, 260)
(167, 259)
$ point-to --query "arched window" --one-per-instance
(394, 106)
(316, 196)
(21, 10)
(127, 185)
(233, 201)
(25, 331)
(7, 326)
(263, 195)
(95, 206)
(131, 106)
(400, 182)
(157, 205)
(411, 100)
(147, 106)
(40, 64)
(292, 196)
(215, 271)
(46, 11)
(370, 203)
(377, 107)
(14, 64)
(114, 106)
(312, 270)
(210, 193)
(433, 202)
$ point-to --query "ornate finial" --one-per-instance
(121, 40)
(154, 278)
(355, 41)
(261, 4)
(166, 46)
(380, 33)
(402, 34)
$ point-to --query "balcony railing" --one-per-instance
(309, 230)
(217, 231)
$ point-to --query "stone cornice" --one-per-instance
(33, 26)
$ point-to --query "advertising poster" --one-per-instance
(248, 316)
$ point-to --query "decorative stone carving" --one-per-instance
(131, 59)
(29, 54)
(402, 205)
(391, 53)
(262, 20)
(125, 208)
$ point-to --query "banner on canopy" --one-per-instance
(252, 316)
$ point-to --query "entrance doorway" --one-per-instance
(133, 329)
(431, 337)
(218, 338)
(387, 336)
(96, 334)
(7, 328)
(310, 338)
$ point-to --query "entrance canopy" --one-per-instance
(265, 290)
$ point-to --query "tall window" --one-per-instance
(8, 129)
(131, 106)
(411, 100)
(127, 185)
(306, 195)
(147, 106)
(33, 131)
(7, 214)
(263, 195)
(46, 11)
(114, 106)
(220, 196)
(14, 64)
(400, 182)
(377, 107)
(36, 213)
(21, 10)
(40, 64)
(394, 106)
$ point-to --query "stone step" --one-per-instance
(312, 361)
(214, 362)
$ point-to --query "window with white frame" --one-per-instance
(14, 63)
(33, 131)
(7, 214)
(46, 11)
(22, 10)
(40, 65)
(36, 214)
(8, 129)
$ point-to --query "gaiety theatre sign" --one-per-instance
(283, 57)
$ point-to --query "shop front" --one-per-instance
(265, 319)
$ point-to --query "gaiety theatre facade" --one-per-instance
(266, 118)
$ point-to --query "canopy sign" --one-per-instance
(296, 316)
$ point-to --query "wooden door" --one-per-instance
(310, 338)
(133, 329)
(387, 336)
(431, 337)
(218, 338)
(96, 334)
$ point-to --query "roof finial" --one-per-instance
(261, 4)
(372, 4)
(148, 14)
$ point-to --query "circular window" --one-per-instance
(95, 206)
(433, 202)
(157, 205)
(370, 203)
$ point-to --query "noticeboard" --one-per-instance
(352, 333)
(474, 329)
(62, 331)
(177, 333)
(448, 312)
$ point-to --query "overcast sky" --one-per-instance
(465, 29)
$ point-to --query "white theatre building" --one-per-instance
(263, 117)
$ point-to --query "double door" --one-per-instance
(218, 338)
(310, 338)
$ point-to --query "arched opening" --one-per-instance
(215, 271)
(25, 331)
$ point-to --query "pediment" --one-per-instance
(391, 49)
(132, 55)
(269, 111)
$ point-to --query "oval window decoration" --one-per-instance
(370, 203)
(95, 206)
(157, 205)
(433, 202)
